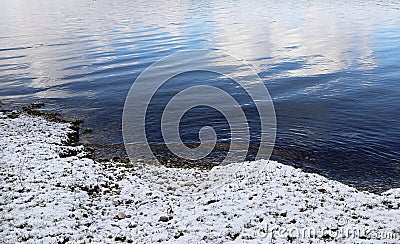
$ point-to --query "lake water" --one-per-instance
(332, 69)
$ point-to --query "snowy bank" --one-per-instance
(46, 197)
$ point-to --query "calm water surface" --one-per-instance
(332, 70)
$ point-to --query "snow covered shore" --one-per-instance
(49, 198)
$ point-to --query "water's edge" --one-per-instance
(117, 153)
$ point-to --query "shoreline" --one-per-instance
(51, 194)
(295, 157)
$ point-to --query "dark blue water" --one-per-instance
(332, 70)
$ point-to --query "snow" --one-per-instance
(48, 198)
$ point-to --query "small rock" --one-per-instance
(178, 235)
(165, 218)
(188, 183)
(121, 215)
(322, 190)
(160, 181)
(212, 201)
(120, 238)
(171, 188)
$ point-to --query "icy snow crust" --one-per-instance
(45, 198)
